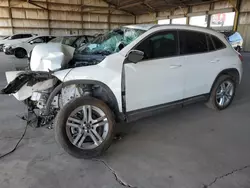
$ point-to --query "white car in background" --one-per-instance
(17, 38)
(21, 49)
(126, 74)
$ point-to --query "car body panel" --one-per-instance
(50, 56)
(108, 72)
(151, 82)
(154, 79)
(200, 70)
(26, 90)
(28, 45)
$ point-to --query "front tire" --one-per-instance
(222, 93)
(84, 127)
(20, 53)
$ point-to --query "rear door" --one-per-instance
(199, 62)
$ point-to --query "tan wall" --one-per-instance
(62, 17)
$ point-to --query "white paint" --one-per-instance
(26, 91)
(152, 82)
(28, 45)
(9, 42)
(107, 72)
(50, 56)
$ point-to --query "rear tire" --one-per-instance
(20, 53)
(220, 99)
(74, 144)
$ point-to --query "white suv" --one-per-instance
(127, 74)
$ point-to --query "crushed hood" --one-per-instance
(50, 56)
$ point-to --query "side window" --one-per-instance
(16, 36)
(160, 45)
(192, 42)
(38, 40)
(210, 43)
(218, 43)
(26, 35)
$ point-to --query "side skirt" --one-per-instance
(150, 111)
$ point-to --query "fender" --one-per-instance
(113, 105)
(232, 72)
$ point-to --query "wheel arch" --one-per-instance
(231, 72)
(102, 92)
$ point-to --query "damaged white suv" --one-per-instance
(124, 75)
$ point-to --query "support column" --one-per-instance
(188, 18)
(82, 3)
(10, 17)
(109, 18)
(209, 15)
(48, 18)
(237, 13)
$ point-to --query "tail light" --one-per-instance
(241, 58)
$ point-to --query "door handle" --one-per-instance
(215, 61)
(174, 66)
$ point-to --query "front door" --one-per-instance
(158, 78)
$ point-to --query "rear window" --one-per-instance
(218, 43)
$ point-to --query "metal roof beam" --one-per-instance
(130, 5)
(118, 8)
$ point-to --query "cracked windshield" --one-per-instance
(111, 42)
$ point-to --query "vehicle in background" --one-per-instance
(15, 38)
(235, 39)
(2, 40)
(122, 76)
(74, 41)
(21, 49)
(219, 19)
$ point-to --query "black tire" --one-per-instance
(60, 128)
(20, 53)
(212, 103)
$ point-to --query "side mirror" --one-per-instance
(135, 56)
(32, 42)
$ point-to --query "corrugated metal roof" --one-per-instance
(146, 6)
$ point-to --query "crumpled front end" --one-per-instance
(23, 83)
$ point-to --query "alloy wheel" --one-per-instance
(87, 127)
(224, 93)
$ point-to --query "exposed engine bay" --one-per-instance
(38, 87)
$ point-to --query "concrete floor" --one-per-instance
(184, 148)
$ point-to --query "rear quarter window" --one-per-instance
(218, 43)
